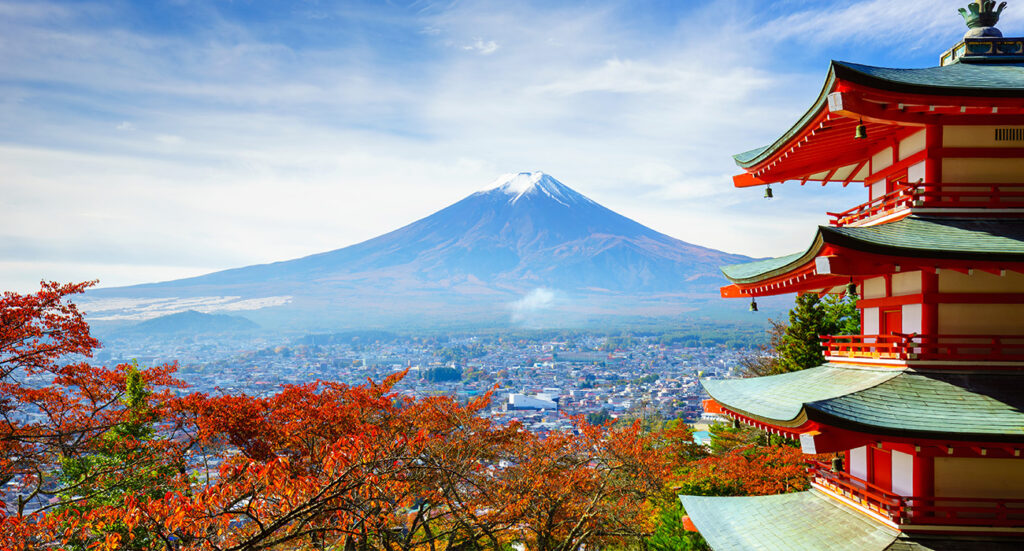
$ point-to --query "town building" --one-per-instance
(921, 417)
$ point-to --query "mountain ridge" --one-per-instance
(528, 231)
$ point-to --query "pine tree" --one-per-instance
(811, 317)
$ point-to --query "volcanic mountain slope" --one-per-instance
(528, 232)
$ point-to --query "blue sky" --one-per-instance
(146, 141)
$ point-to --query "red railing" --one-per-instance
(901, 346)
(874, 498)
(944, 196)
(919, 510)
(900, 198)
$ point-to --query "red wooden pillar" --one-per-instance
(932, 161)
(929, 308)
(924, 479)
(924, 475)
(881, 465)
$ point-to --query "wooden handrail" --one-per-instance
(921, 510)
(916, 346)
(858, 483)
(930, 195)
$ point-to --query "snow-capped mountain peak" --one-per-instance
(525, 184)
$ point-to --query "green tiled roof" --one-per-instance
(962, 79)
(810, 521)
(981, 239)
(780, 399)
(989, 79)
(804, 521)
(884, 401)
(749, 155)
(739, 272)
(913, 236)
(944, 404)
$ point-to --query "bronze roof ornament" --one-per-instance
(981, 17)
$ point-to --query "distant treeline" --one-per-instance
(442, 374)
(351, 337)
(690, 334)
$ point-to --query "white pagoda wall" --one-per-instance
(902, 473)
(979, 477)
(979, 170)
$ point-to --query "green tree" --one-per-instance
(797, 345)
(671, 535)
(841, 314)
(129, 461)
(801, 345)
(599, 417)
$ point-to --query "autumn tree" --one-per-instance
(114, 458)
(588, 489)
(72, 437)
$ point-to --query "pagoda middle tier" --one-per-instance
(940, 292)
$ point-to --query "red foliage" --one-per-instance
(319, 465)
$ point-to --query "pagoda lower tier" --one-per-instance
(923, 454)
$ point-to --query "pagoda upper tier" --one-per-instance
(825, 145)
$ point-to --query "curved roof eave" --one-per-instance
(986, 240)
(781, 400)
(753, 157)
(760, 270)
(780, 522)
(897, 402)
(1003, 80)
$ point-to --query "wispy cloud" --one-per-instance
(482, 47)
(533, 306)
(244, 133)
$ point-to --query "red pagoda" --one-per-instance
(925, 409)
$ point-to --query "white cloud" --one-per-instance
(534, 303)
(481, 47)
(168, 139)
(263, 150)
(903, 23)
(690, 77)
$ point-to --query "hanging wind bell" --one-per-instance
(753, 305)
(768, 192)
(851, 288)
(862, 131)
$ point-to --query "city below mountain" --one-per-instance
(530, 251)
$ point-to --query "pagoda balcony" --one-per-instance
(932, 348)
(932, 199)
(925, 513)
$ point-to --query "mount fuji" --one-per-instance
(529, 246)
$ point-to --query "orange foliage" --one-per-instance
(320, 465)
